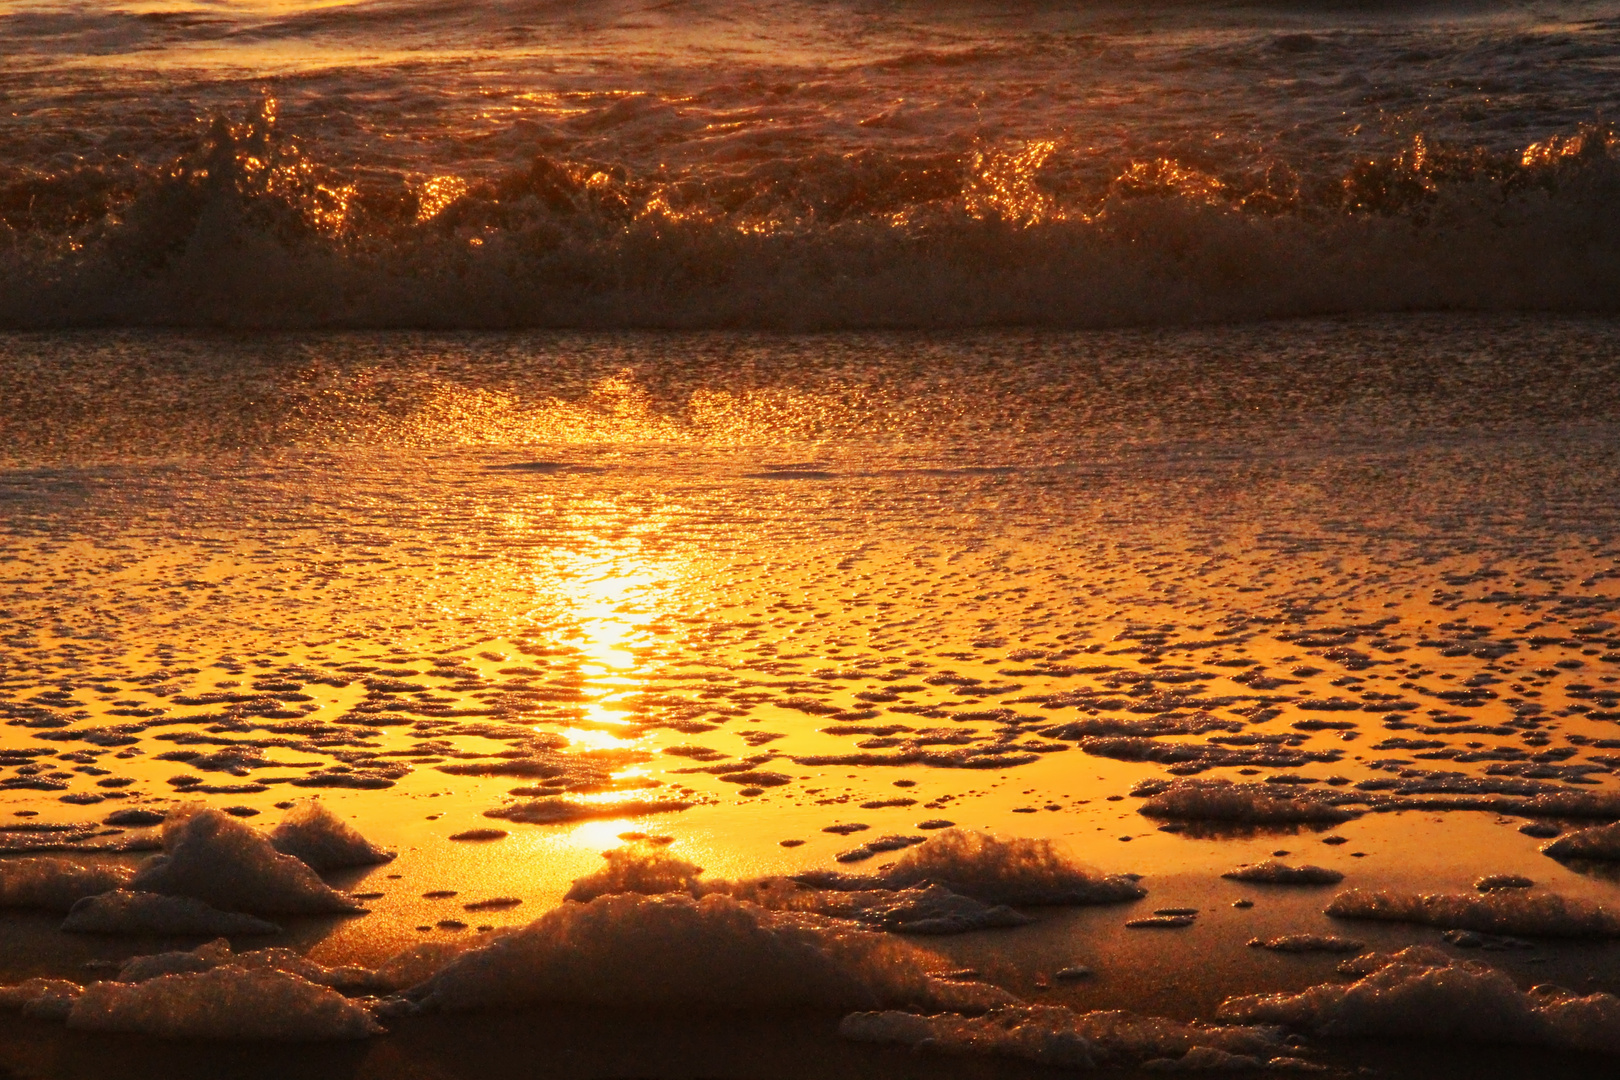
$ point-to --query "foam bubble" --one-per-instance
(55, 884)
(226, 1002)
(213, 857)
(314, 835)
(125, 912)
(1517, 911)
(676, 951)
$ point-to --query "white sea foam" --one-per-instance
(213, 857)
(314, 835)
(217, 953)
(47, 999)
(421, 961)
(56, 884)
(630, 870)
(1305, 943)
(1016, 870)
(227, 1002)
(1056, 1036)
(124, 912)
(1516, 911)
(1272, 872)
(929, 909)
(1249, 804)
(1419, 993)
(1601, 842)
(556, 811)
(673, 950)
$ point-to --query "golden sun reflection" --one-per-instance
(599, 835)
(593, 739)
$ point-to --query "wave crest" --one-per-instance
(246, 230)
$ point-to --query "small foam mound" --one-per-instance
(555, 811)
(1420, 993)
(124, 912)
(420, 962)
(632, 871)
(1272, 872)
(323, 841)
(992, 870)
(674, 951)
(217, 953)
(226, 1002)
(932, 909)
(44, 999)
(1517, 911)
(1056, 1036)
(55, 884)
(1602, 842)
(912, 910)
(1209, 1059)
(215, 858)
(202, 958)
(1247, 804)
(1493, 882)
(1306, 943)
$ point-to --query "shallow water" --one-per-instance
(753, 587)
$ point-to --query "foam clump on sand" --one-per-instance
(931, 909)
(1247, 804)
(124, 912)
(1272, 872)
(631, 871)
(323, 841)
(1059, 1037)
(1307, 943)
(55, 884)
(213, 857)
(420, 962)
(677, 951)
(1602, 842)
(42, 999)
(1516, 911)
(552, 810)
(217, 953)
(226, 1002)
(992, 870)
(1421, 993)
(1494, 882)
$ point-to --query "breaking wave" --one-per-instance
(246, 229)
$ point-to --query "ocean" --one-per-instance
(796, 166)
(864, 539)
